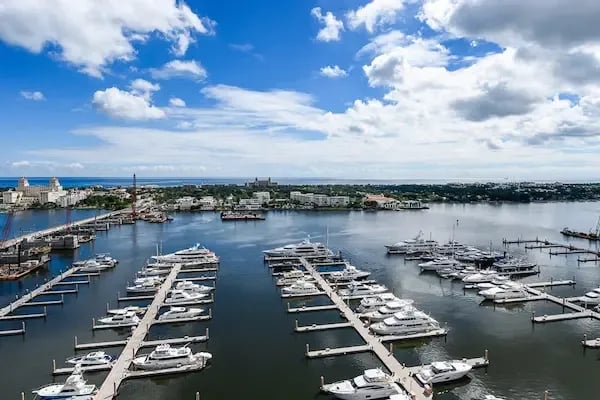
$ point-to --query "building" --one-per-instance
(186, 203)
(263, 197)
(72, 198)
(261, 183)
(42, 194)
(319, 200)
(382, 201)
(11, 197)
(339, 201)
(208, 203)
(249, 204)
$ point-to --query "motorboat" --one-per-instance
(369, 304)
(591, 297)
(165, 356)
(189, 286)
(439, 263)
(412, 246)
(450, 247)
(145, 285)
(349, 273)
(194, 251)
(485, 275)
(362, 289)
(150, 271)
(300, 287)
(93, 266)
(93, 358)
(406, 323)
(291, 277)
(388, 310)
(74, 388)
(491, 397)
(442, 372)
(485, 285)
(105, 258)
(515, 266)
(180, 296)
(304, 248)
(372, 384)
(175, 313)
(505, 291)
(125, 319)
(128, 309)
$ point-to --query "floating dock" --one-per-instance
(13, 332)
(311, 308)
(148, 343)
(323, 327)
(340, 351)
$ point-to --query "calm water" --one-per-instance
(257, 355)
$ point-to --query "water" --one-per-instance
(257, 355)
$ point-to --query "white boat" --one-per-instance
(127, 319)
(165, 356)
(300, 287)
(591, 297)
(491, 397)
(93, 358)
(105, 258)
(444, 371)
(93, 266)
(361, 289)
(145, 285)
(74, 388)
(189, 286)
(485, 275)
(304, 248)
(372, 384)
(194, 251)
(369, 304)
(406, 323)
(450, 248)
(439, 263)
(128, 309)
(150, 271)
(515, 266)
(388, 310)
(505, 291)
(411, 246)
(180, 296)
(175, 313)
(349, 273)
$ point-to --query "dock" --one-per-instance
(546, 244)
(340, 351)
(24, 316)
(13, 332)
(477, 362)
(148, 343)
(87, 368)
(323, 327)
(293, 295)
(311, 308)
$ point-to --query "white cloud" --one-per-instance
(91, 34)
(375, 14)
(180, 69)
(25, 164)
(176, 102)
(35, 96)
(331, 31)
(333, 72)
(129, 105)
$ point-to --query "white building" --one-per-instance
(72, 198)
(320, 200)
(250, 204)
(208, 203)
(11, 197)
(42, 194)
(263, 197)
(186, 203)
(339, 201)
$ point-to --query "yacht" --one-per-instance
(180, 296)
(361, 289)
(505, 291)
(74, 388)
(372, 384)
(591, 297)
(450, 248)
(300, 287)
(128, 309)
(189, 286)
(150, 271)
(93, 266)
(125, 319)
(148, 286)
(388, 310)
(485, 275)
(515, 266)
(441, 372)
(93, 358)
(291, 277)
(304, 248)
(165, 356)
(194, 251)
(406, 323)
(412, 246)
(373, 303)
(439, 263)
(175, 313)
(105, 258)
(349, 273)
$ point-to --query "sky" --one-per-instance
(368, 89)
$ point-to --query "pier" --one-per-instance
(546, 244)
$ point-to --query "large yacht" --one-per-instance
(349, 273)
(300, 287)
(515, 266)
(485, 275)
(362, 289)
(183, 297)
(509, 290)
(165, 356)
(304, 248)
(441, 372)
(591, 297)
(133, 309)
(176, 313)
(144, 285)
(412, 246)
(388, 310)
(92, 266)
(450, 247)
(373, 303)
(189, 286)
(439, 263)
(93, 358)
(406, 323)
(74, 388)
(372, 384)
(106, 259)
(293, 276)
(125, 319)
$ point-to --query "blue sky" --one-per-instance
(346, 88)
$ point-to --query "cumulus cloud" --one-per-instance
(133, 105)
(92, 34)
(375, 14)
(176, 102)
(35, 96)
(332, 27)
(190, 69)
(332, 72)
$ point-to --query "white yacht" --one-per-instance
(515, 266)
(406, 323)
(194, 251)
(105, 258)
(125, 319)
(145, 287)
(372, 384)
(150, 271)
(124, 310)
(291, 277)
(361, 289)
(93, 266)
(93, 358)
(349, 273)
(441, 372)
(450, 247)
(505, 291)
(165, 356)
(180, 296)
(300, 287)
(74, 388)
(189, 286)
(411, 246)
(304, 248)
(388, 310)
(369, 304)
(439, 263)
(175, 313)
(485, 275)
(591, 297)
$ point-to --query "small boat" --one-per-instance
(361, 289)
(126, 319)
(180, 296)
(93, 358)
(442, 372)
(74, 388)
(300, 287)
(175, 313)
(372, 384)
(165, 356)
(130, 309)
(369, 304)
(350, 273)
(189, 286)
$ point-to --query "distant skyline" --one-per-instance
(356, 89)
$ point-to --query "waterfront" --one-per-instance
(256, 353)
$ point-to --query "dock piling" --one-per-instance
(322, 382)
(307, 348)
